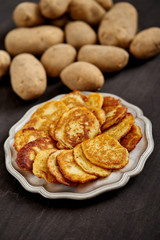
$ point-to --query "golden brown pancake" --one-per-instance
(122, 128)
(73, 100)
(84, 97)
(99, 113)
(51, 110)
(106, 152)
(95, 100)
(41, 124)
(27, 154)
(86, 165)
(40, 168)
(71, 170)
(54, 169)
(132, 138)
(110, 101)
(75, 126)
(114, 116)
(24, 136)
(108, 109)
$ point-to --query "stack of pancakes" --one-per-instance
(77, 139)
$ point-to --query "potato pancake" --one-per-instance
(114, 116)
(106, 152)
(54, 169)
(122, 128)
(27, 154)
(71, 170)
(86, 165)
(132, 138)
(40, 168)
(24, 136)
(75, 126)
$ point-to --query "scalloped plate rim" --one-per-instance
(80, 196)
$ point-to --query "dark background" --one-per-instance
(132, 212)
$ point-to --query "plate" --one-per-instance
(137, 159)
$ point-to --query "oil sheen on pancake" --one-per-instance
(27, 154)
(132, 138)
(86, 165)
(105, 151)
(75, 126)
(71, 170)
(122, 128)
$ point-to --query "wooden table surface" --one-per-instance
(132, 212)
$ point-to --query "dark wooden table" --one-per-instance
(132, 212)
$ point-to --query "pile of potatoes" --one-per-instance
(76, 40)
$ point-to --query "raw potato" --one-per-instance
(146, 43)
(27, 14)
(82, 76)
(33, 40)
(106, 58)
(57, 57)
(86, 10)
(79, 33)
(54, 8)
(28, 77)
(60, 22)
(119, 25)
(107, 4)
(5, 61)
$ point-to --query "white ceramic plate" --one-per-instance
(137, 159)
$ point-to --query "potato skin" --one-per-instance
(33, 40)
(106, 4)
(82, 76)
(28, 77)
(27, 14)
(119, 25)
(86, 10)
(106, 58)
(146, 43)
(60, 22)
(5, 61)
(54, 8)
(57, 57)
(79, 33)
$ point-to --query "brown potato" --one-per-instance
(86, 10)
(79, 33)
(54, 9)
(146, 43)
(82, 76)
(60, 22)
(119, 25)
(5, 61)
(33, 40)
(106, 58)
(107, 4)
(27, 14)
(28, 77)
(57, 57)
